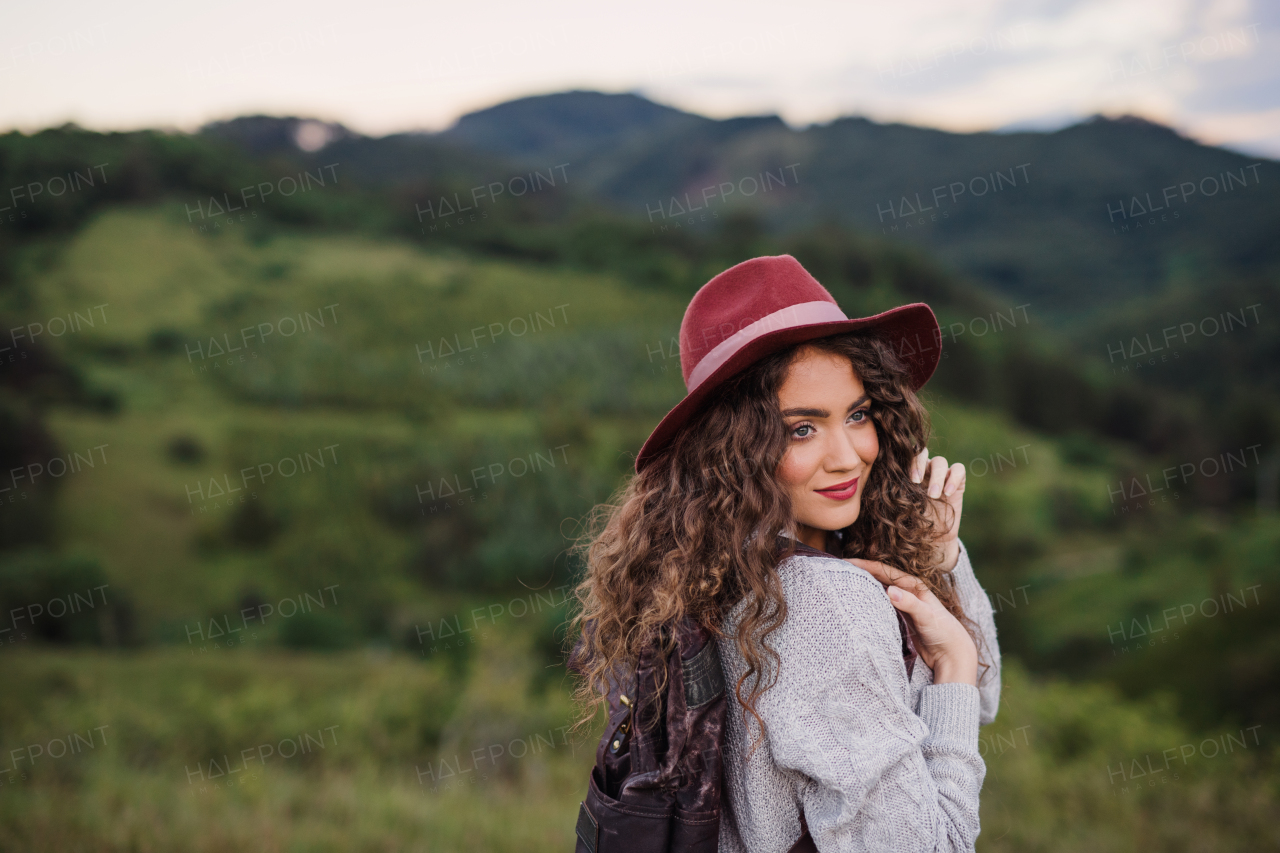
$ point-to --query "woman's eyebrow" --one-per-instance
(821, 413)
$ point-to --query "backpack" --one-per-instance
(655, 787)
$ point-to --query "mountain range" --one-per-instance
(185, 238)
(1079, 221)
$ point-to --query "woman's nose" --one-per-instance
(842, 452)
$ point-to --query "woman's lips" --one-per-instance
(840, 491)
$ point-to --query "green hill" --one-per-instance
(1076, 221)
(285, 459)
(441, 417)
(1039, 235)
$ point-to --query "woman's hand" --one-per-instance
(946, 484)
(941, 640)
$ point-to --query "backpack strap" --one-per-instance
(703, 676)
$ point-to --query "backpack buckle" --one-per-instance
(620, 733)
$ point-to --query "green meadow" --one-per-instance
(334, 481)
(367, 750)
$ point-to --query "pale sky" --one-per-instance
(1210, 68)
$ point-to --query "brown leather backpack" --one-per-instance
(655, 787)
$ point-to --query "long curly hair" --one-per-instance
(695, 532)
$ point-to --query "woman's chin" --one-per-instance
(830, 522)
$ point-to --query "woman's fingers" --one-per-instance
(955, 479)
(892, 577)
(937, 634)
(937, 476)
(918, 465)
(944, 480)
(928, 618)
(904, 600)
(885, 574)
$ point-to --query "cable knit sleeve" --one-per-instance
(871, 774)
(977, 606)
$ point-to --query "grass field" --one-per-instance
(272, 751)
(325, 451)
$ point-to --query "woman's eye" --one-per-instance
(801, 431)
(858, 416)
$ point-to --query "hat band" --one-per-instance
(802, 314)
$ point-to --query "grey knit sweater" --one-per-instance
(878, 761)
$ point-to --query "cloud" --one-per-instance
(1211, 68)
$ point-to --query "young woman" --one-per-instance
(802, 427)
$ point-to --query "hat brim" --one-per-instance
(912, 330)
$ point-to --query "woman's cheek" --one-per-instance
(793, 473)
(869, 449)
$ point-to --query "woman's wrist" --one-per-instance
(950, 555)
(958, 669)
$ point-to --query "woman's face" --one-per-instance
(832, 443)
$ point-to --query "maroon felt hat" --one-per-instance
(765, 305)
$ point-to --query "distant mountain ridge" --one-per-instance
(574, 124)
(1075, 220)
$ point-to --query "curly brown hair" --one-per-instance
(695, 532)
